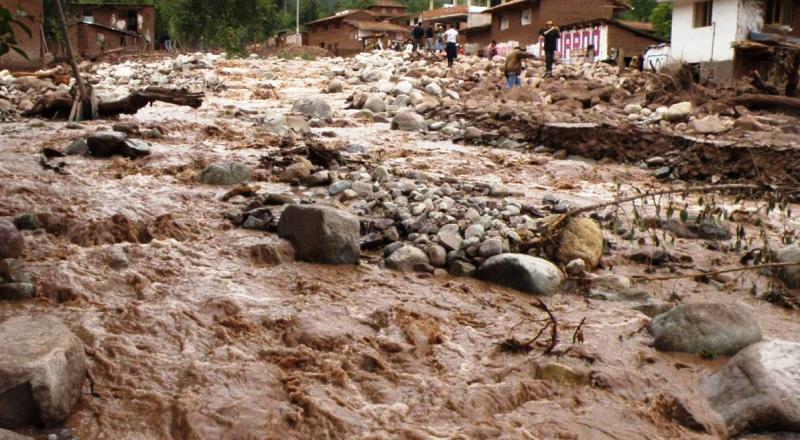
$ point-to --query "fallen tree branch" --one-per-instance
(716, 272)
(60, 104)
(767, 102)
(553, 326)
(759, 83)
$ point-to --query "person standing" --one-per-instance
(551, 35)
(451, 49)
(429, 38)
(513, 67)
(493, 51)
(439, 43)
(419, 36)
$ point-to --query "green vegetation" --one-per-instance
(661, 17)
(640, 10)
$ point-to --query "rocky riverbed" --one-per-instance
(373, 248)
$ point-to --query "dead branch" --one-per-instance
(759, 83)
(578, 335)
(716, 272)
(60, 104)
(553, 327)
(767, 102)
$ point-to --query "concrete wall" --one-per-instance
(31, 45)
(343, 40)
(704, 44)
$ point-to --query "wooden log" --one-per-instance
(58, 105)
(767, 102)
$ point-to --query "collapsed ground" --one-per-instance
(196, 327)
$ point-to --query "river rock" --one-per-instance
(434, 89)
(708, 125)
(581, 238)
(522, 272)
(12, 243)
(679, 111)
(437, 255)
(402, 88)
(706, 328)
(375, 104)
(789, 275)
(224, 173)
(315, 107)
(42, 370)
(321, 234)
(406, 258)
(408, 121)
(106, 143)
(297, 171)
(334, 86)
(472, 133)
(78, 148)
(450, 237)
(491, 247)
(757, 390)
(460, 268)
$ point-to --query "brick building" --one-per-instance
(387, 9)
(597, 40)
(121, 25)
(519, 21)
(30, 13)
(349, 32)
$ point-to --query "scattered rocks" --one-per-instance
(321, 234)
(711, 329)
(757, 389)
(12, 243)
(522, 272)
(224, 173)
(41, 371)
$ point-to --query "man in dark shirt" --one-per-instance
(419, 36)
(551, 34)
(429, 38)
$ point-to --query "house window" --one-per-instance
(504, 22)
(322, 45)
(778, 12)
(88, 17)
(525, 18)
(132, 21)
(702, 13)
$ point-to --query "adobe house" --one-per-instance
(30, 13)
(519, 21)
(121, 25)
(596, 40)
(729, 38)
(347, 32)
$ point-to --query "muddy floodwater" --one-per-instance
(189, 336)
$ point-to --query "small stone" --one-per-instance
(450, 237)
(78, 148)
(655, 161)
(315, 107)
(338, 187)
(224, 173)
(380, 174)
(789, 275)
(475, 230)
(334, 86)
(106, 143)
(498, 190)
(575, 267)
(437, 255)
(363, 189)
(679, 111)
(472, 133)
(406, 258)
(461, 268)
(297, 171)
(561, 373)
(491, 247)
(662, 173)
(12, 243)
(409, 121)
(522, 272)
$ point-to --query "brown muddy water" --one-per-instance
(188, 337)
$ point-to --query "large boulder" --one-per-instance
(757, 390)
(406, 258)
(409, 121)
(789, 275)
(522, 272)
(315, 107)
(706, 328)
(115, 143)
(11, 241)
(42, 370)
(581, 238)
(224, 173)
(321, 234)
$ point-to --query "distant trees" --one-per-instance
(661, 17)
(8, 33)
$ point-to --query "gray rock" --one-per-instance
(757, 390)
(662, 173)
(460, 268)
(474, 231)
(299, 170)
(338, 187)
(679, 111)
(434, 89)
(409, 121)
(11, 435)
(522, 272)
(437, 255)
(406, 258)
(321, 234)
(789, 275)
(375, 104)
(576, 267)
(335, 86)
(42, 370)
(224, 173)
(318, 179)
(12, 243)
(655, 161)
(472, 133)
(363, 189)
(380, 174)
(17, 291)
(314, 107)
(106, 143)
(450, 237)
(135, 148)
(402, 88)
(706, 328)
(491, 247)
(78, 148)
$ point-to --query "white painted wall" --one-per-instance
(712, 43)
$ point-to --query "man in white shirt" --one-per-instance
(451, 49)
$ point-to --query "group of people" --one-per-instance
(436, 40)
(513, 66)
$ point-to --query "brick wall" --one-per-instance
(336, 35)
(516, 31)
(31, 45)
(630, 43)
(104, 14)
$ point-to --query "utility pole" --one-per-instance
(297, 20)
